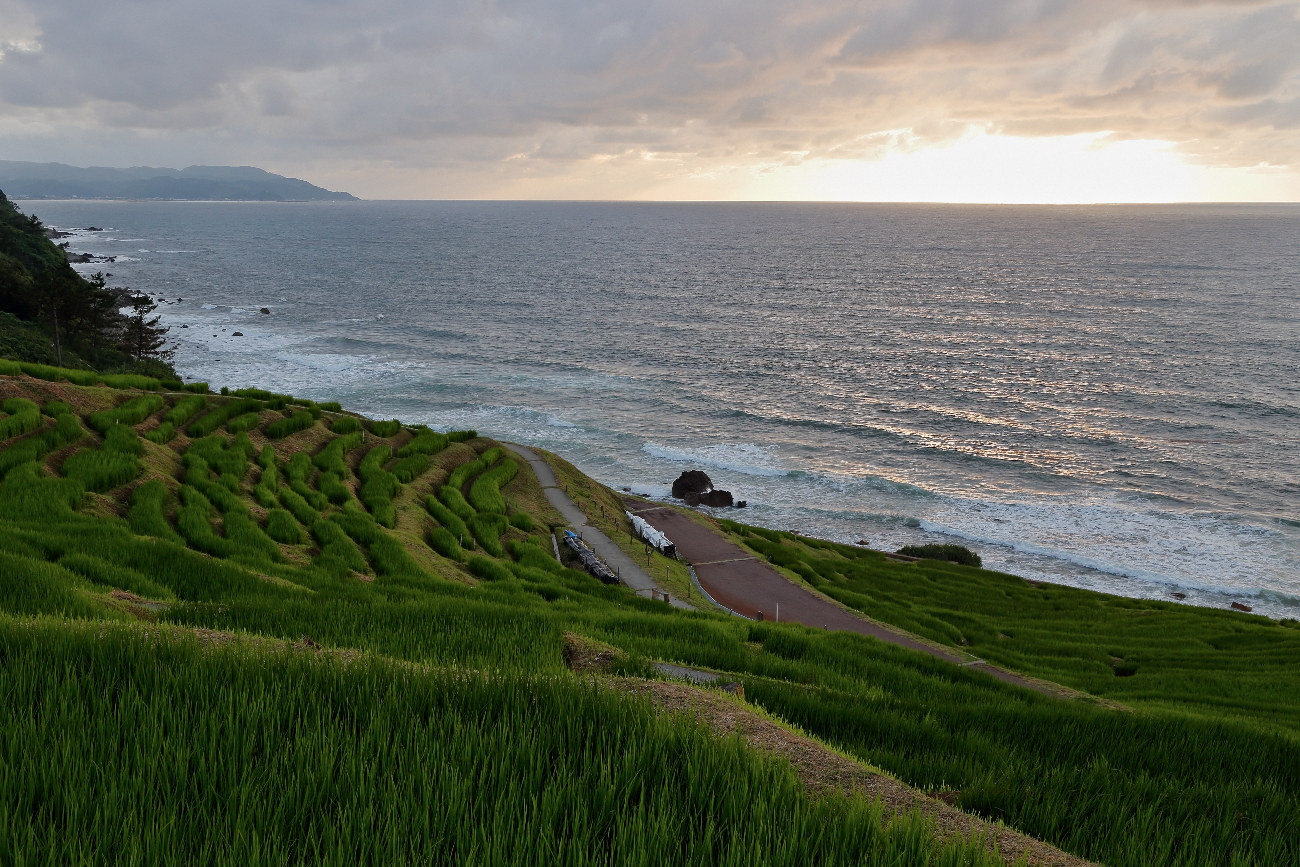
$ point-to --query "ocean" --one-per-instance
(1102, 396)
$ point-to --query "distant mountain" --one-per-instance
(20, 180)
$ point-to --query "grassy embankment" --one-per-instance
(318, 638)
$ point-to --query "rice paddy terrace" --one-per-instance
(248, 628)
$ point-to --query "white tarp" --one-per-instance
(651, 535)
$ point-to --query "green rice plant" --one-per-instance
(226, 457)
(512, 769)
(113, 575)
(131, 380)
(442, 541)
(330, 406)
(410, 468)
(332, 458)
(130, 413)
(185, 409)
(266, 496)
(10, 368)
(460, 436)
(110, 466)
(454, 501)
(487, 529)
(338, 553)
(22, 417)
(221, 492)
(266, 460)
(67, 430)
(249, 542)
(425, 442)
(209, 422)
(27, 493)
(194, 521)
(161, 435)
(244, 423)
(299, 507)
(298, 467)
(386, 553)
(299, 421)
(488, 570)
(319, 500)
(269, 483)
(378, 486)
(55, 374)
(448, 519)
(464, 472)
(33, 586)
(333, 489)
(56, 408)
(522, 521)
(346, 424)
(535, 557)
(485, 492)
(283, 527)
(385, 429)
(147, 515)
(197, 387)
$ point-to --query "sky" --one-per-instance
(890, 100)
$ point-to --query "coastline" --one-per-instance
(840, 457)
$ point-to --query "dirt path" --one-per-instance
(737, 579)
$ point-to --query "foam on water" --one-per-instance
(746, 458)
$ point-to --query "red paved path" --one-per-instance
(734, 577)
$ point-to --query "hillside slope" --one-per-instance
(247, 627)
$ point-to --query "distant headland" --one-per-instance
(23, 180)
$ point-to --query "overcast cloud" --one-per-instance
(496, 92)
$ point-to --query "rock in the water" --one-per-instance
(691, 482)
(717, 499)
(265, 310)
(1179, 595)
(740, 504)
(238, 334)
(1240, 607)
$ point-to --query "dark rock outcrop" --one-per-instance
(717, 499)
(691, 482)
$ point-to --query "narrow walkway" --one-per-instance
(738, 579)
(628, 571)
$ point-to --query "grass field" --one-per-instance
(276, 647)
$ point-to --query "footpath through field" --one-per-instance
(738, 580)
(628, 571)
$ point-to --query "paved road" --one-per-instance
(628, 571)
(747, 585)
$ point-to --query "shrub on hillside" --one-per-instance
(952, 553)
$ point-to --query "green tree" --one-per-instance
(143, 337)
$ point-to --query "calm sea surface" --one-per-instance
(1101, 396)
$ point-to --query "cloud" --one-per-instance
(533, 86)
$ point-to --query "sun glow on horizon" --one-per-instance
(1079, 169)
